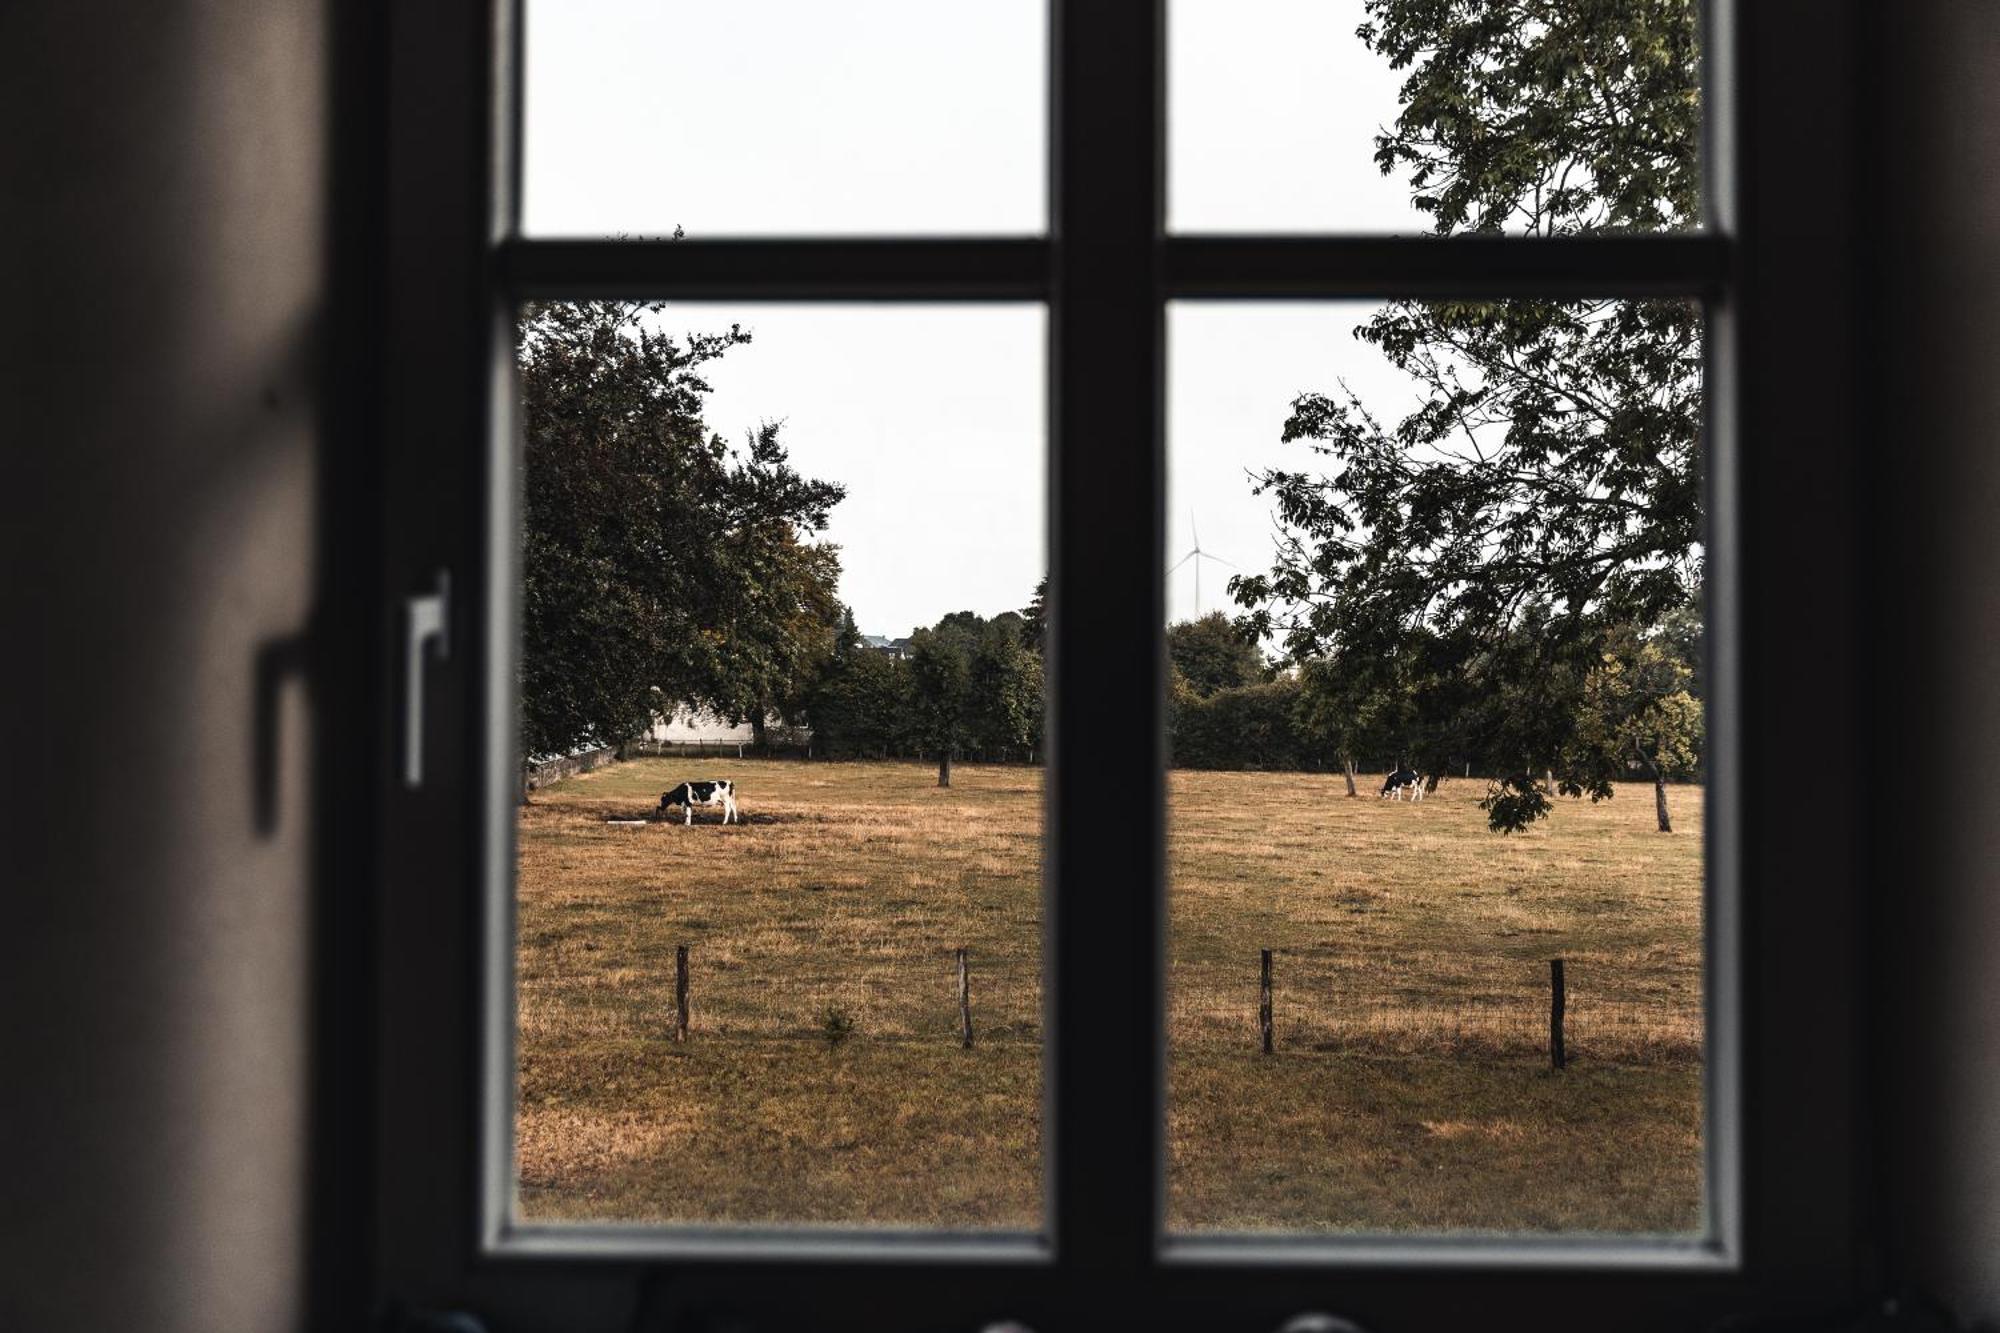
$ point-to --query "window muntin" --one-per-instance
(784, 117)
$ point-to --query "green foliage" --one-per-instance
(941, 689)
(1035, 618)
(1005, 705)
(1351, 708)
(974, 688)
(1544, 116)
(861, 705)
(1212, 654)
(660, 566)
(1547, 488)
(1514, 802)
(1249, 727)
(1638, 709)
(970, 687)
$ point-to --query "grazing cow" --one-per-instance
(691, 794)
(1404, 781)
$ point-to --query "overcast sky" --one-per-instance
(917, 116)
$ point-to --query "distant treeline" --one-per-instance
(968, 687)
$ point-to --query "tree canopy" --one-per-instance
(661, 566)
(1550, 478)
(1212, 654)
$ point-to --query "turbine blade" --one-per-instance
(1182, 561)
(1231, 563)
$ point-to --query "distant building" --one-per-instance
(898, 649)
(690, 726)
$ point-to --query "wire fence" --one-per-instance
(728, 994)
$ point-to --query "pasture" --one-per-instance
(1409, 1089)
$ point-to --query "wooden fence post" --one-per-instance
(1557, 1002)
(680, 992)
(1264, 1000)
(964, 1003)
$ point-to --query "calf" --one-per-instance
(691, 794)
(1403, 781)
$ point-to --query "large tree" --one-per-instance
(661, 566)
(941, 694)
(1553, 466)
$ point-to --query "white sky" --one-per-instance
(921, 116)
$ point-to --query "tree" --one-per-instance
(1212, 654)
(1638, 709)
(1553, 466)
(1006, 692)
(861, 704)
(1035, 630)
(660, 565)
(941, 694)
(1349, 707)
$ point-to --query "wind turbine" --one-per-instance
(1198, 555)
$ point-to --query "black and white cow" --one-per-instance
(691, 794)
(1403, 782)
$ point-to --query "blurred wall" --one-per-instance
(164, 174)
(1937, 201)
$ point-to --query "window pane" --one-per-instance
(1389, 116)
(809, 566)
(1437, 721)
(768, 117)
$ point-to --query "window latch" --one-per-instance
(427, 623)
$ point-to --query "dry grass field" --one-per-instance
(1410, 1088)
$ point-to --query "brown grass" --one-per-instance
(1409, 1090)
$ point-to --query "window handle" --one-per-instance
(427, 622)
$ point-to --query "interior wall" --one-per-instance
(1938, 462)
(165, 168)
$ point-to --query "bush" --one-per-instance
(1250, 727)
(836, 1025)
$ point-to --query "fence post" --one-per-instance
(680, 992)
(1557, 1002)
(1264, 1000)
(964, 1003)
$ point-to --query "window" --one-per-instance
(1788, 1150)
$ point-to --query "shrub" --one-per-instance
(836, 1025)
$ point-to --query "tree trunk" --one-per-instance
(1347, 765)
(944, 767)
(1659, 788)
(757, 728)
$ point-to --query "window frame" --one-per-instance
(1791, 1225)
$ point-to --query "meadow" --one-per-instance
(1410, 1087)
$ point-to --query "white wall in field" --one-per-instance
(691, 725)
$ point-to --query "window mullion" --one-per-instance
(1106, 778)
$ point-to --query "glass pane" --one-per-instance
(1401, 117)
(782, 709)
(770, 117)
(1437, 724)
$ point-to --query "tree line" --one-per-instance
(1637, 712)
